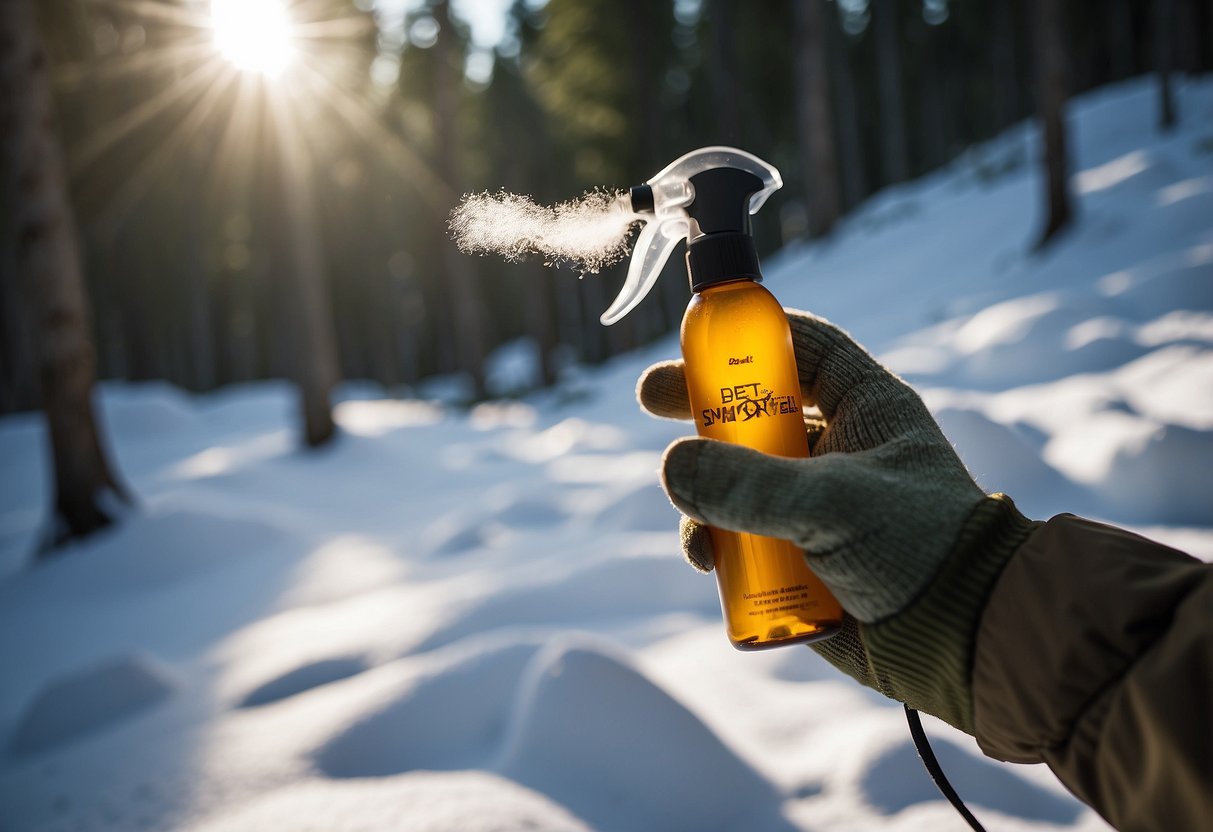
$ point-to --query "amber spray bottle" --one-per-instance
(740, 370)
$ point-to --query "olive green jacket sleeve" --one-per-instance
(1095, 656)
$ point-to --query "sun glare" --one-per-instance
(255, 35)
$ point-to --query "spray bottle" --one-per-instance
(740, 371)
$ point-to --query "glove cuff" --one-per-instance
(923, 655)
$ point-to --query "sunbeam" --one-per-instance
(114, 132)
(255, 35)
(412, 167)
(134, 188)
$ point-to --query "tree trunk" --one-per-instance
(196, 272)
(645, 61)
(47, 262)
(1050, 60)
(462, 291)
(18, 373)
(933, 130)
(850, 150)
(313, 348)
(893, 146)
(814, 118)
(545, 288)
(1164, 60)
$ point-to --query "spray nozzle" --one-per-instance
(708, 193)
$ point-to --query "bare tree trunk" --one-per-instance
(545, 289)
(18, 373)
(814, 118)
(645, 63)
(893, 143)
(199, 293)
(313, 349)
(850, 152)
(47, 262)
(467, 313)
(1164, 60)
(933, 104)
(1050, 60)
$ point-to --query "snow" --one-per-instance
(71, 706)
(478, 619)
(592, 731)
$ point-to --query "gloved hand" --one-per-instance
(888, 517)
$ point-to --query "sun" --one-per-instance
(255, 35)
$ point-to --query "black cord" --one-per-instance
(933, 769)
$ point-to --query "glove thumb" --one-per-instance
(732, 487)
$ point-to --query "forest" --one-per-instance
(220, 223)
(314, 517)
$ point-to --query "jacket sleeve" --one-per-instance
(1095, 655)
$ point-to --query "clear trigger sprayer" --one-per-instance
(740, 370)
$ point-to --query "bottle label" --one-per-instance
(743, 402)
(780, 601)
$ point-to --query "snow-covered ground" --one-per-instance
(480, 621)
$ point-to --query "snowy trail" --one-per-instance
(480, 621)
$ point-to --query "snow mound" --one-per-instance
(1041, 338)
(452, 718)
(643, 509)
(492, 522)
(570, 435)
(617, 589)
(1172, 384)
(147, 410)
(457, 533)
(1002, 459)
(527, 511)
(896, 780)
(345, 566)
(593, 733)
(376, 417)
(76, 704)
(1151, 477)
(157, 548)
(303, 678)
(1163, 290)
(420, 802)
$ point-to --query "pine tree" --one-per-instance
(1164, 60)
(467, 311)
(848, 141)
(893, 141)
(814, 117)
(47, 264)
(1051, 94)
(313, 363)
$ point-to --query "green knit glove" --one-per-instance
(888, 516)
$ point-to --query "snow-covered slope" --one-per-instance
(480, 621)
